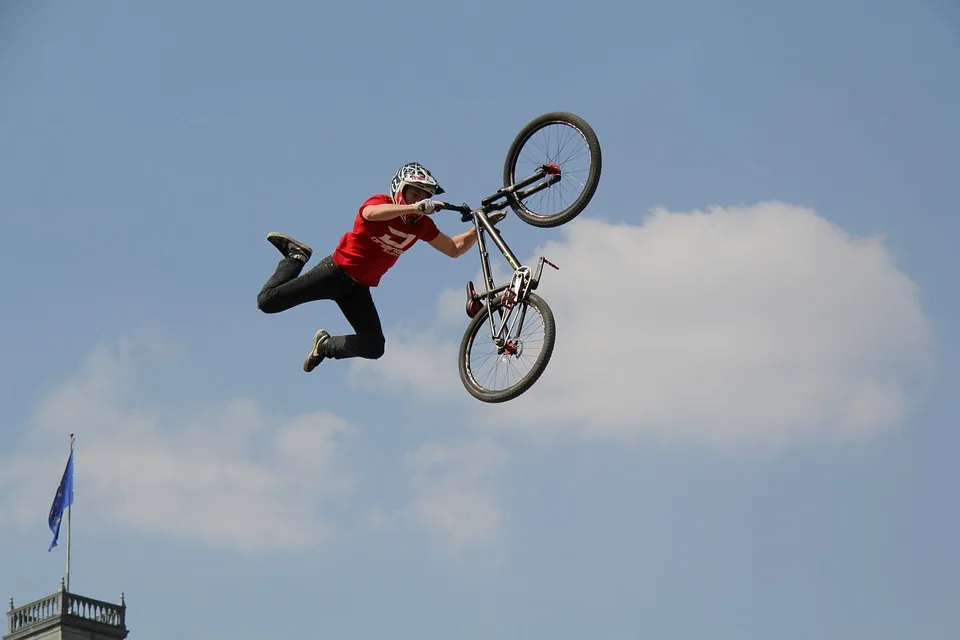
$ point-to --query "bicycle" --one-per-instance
(514, 298)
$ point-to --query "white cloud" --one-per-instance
(455, 492)
(226, 476)
(740, 325)
(455, 498)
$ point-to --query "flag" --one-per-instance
(63, 499)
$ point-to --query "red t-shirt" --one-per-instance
(367, 252)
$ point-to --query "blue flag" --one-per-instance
(63, 499)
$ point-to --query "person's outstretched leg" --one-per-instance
(368, 341)
(286, 288)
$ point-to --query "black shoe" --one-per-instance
(316, 354)
(289, 247)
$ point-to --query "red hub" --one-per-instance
(552, 169)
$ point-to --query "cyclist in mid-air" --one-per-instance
(385, 227)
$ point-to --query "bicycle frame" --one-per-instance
(522, 282)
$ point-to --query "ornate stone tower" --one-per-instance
(67, 616)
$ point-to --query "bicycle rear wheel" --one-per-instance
(569, 146)
(523, 348)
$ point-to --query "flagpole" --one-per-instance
(69, 508)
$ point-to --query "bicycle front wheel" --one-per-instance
(569, 146)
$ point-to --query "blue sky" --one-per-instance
(748, 429)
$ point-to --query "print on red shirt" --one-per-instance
(373, 246)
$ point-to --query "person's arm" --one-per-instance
(460, 244)
(388, 211)
(455, 246)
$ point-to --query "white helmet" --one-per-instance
(414, 174)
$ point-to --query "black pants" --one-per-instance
(286, 288)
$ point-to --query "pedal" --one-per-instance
(473, 301)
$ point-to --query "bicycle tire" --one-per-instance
(590, 184)
(524, 384)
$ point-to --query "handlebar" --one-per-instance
(466, 213)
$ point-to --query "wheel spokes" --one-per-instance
(563, 145)
(496, 369)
